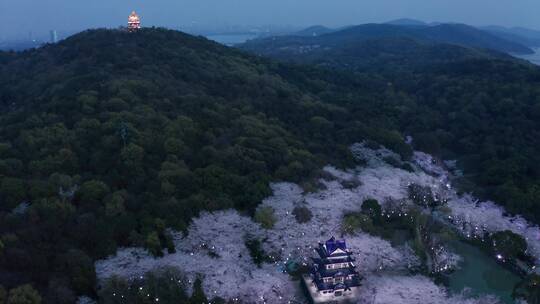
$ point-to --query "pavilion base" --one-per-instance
(319, 297)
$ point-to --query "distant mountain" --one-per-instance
(315, 30)
(470, 36)
(457, 34)
(529, 33)
(530, 42)
(391, 54)
(381, 54)
(374, 42)
(528, 37)
(520, 31)
(407, 21)
(19, 45)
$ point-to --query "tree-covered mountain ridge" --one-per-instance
(452, 34)
(385, 48)
(109, 137)
(459, 93)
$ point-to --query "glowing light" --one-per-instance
(134, 22)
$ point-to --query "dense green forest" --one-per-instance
(380, 48)
(389, 56)
(477, 106)
(109, 137)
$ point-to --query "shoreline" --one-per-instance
(532, 58)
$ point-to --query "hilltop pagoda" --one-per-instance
(333, 277)
(134, 22)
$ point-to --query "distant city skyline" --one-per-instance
(20, 17)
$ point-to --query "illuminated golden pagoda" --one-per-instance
(134, 22)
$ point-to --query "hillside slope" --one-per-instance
(524, 36)
(407, 22)
(465, 35)
(315, 30)
(454, 96)
(384, 55)
(109, 137)
(457, 34)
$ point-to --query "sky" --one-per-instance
(20, 17)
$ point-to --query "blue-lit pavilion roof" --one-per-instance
(332, 245)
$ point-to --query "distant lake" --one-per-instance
(533, 58)
(231, 39)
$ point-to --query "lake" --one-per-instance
(533, 58)
(479, 272)
(231, 39)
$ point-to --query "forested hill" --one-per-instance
(477, 106)
(384, 55)
(315, 30)
(451, 34)
(109, 137)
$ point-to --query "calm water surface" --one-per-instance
(534, 58)
(481, 274)
(231, 40)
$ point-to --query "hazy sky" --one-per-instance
(19, 17)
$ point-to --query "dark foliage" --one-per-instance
(328, 42)
(256, 251)
(479, 107)
(109, 137)
(509, 245)
(528, 289)
(302, 214)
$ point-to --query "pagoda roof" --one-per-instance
(355, 282)
(333, 248)
(327, 273)
(334, 260)
(333, 244)
(134, 17)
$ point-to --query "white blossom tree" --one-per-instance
(215, 248)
